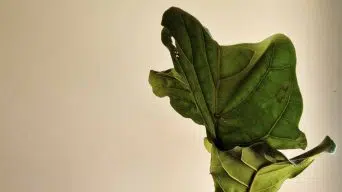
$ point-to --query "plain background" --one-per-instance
(77, 113)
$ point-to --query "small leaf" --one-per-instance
(253, 172)
(221, 177)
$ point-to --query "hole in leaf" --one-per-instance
(173, 41)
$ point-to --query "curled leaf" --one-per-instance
(253, 172)
(242, 94)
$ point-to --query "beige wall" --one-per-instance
(77, 113)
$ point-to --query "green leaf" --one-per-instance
(207, 145)
(253, 172)
(222, 179)
(242, 94)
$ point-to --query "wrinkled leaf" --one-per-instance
(252, 172)
(242, 94)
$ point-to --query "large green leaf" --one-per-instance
(242, 94)
(247, 169)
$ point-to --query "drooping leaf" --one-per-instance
(242, 94)
(253, 172)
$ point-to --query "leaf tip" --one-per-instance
(151, 76)
(170, 14)
(207, 144)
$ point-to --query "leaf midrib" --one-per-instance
(211, 123)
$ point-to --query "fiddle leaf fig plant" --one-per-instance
(247, 97)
